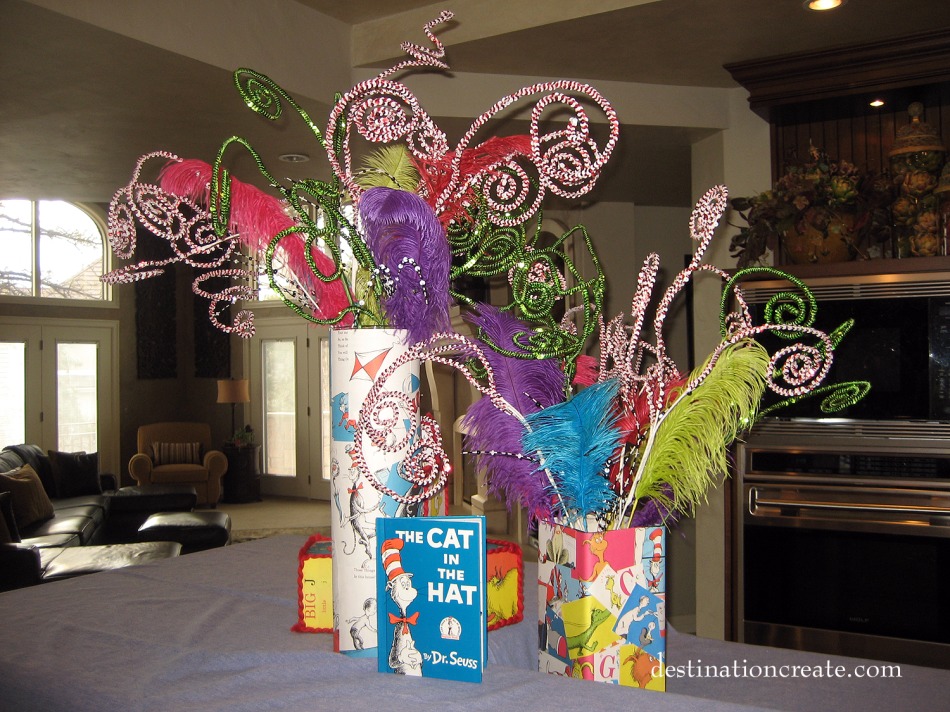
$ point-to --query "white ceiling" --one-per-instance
(79, 104)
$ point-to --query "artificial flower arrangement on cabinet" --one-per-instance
(605, 450)
(819, 210)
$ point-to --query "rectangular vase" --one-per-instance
(602, 604)
(358, 357)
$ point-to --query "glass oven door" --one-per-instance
(847, 569)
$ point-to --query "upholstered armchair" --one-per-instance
(181, 454)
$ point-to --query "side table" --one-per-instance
(242, 481)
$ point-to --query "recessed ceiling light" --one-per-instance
(877, 103)
(823, 4)
(294, 157)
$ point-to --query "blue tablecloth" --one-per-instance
(211, 631)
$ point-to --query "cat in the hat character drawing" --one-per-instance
(404, 659)
(656, 562)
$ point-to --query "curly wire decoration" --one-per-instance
(567, 161)
(243, 323)
(703, 222)
(794, 371)
(424, 56)
(625, 346)
(189, 231)
(427, 465)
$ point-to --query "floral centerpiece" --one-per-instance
(840, 210)
(643, 435)
(598, 444)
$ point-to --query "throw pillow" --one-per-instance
(8, 530)
(30, 503)
(75, 473)
(176, 453)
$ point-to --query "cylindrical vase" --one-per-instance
(357, 358)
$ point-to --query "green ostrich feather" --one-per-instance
(389, 167)
(690, 442)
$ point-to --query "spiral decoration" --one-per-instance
(264, 96)
(565, 161)
(485, 250)
(486, 196)
(427, 465)
(382, 111)
(184, 225)
(510, 195)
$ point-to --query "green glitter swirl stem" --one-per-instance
(263, 95)
(220, 193)
(837, 397)
(786, 307)
(533, 301)
(487, 249)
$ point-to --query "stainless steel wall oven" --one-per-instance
(846, 549)
(842, 536)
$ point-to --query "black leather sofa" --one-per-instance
(93, 527)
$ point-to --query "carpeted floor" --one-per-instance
(277, 513)
(243, 535)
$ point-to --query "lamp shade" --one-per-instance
(234, 390)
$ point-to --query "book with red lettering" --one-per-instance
(431, 596)
(315, 586)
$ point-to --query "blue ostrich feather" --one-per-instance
(576, 439)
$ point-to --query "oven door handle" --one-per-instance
(754, 500)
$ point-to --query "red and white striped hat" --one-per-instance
(392, 558)
(657, 537)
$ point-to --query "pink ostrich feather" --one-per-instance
(256, 218)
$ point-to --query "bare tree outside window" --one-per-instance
(50, 248)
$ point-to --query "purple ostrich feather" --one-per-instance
(528, 385)
(653, 514)
(409, 245)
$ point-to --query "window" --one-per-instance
(51, 249)
(280, 406)
(59, 383)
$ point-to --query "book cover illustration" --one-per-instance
(505, 583)
(602, 604)
(431, 595)
(315, 586)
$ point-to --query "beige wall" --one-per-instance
(275, 38)
(737, 157)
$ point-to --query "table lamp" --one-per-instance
(233, 391)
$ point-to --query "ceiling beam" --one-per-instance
(378, 41)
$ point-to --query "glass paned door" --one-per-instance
(286, 378)
(280, 406)
(77, 392)
(13, 387)
(60, 386)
